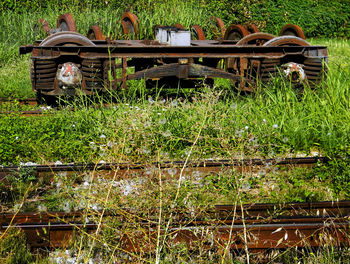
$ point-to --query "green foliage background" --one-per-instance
(316, 17)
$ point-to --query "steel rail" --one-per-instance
(25, 113)
(168, 168)
(56, 229)
(27, 101)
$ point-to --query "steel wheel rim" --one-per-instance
(257, 39)
(292, 30)
(66, 22)
(130, 23)
(66, 39)
(219, 29)
(286, 41)
(198, 32)
(235, 32)
(95, 33)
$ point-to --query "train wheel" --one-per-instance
(235, 32)
(66, 23)
(95, 33)
(45, 25)
(66, 39)
(198, 32)
(130, 23)
(257, 39)
(218, 29)
(178, 26)
(252, 28)
(286, 41)
(292, 30)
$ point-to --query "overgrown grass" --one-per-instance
(277, 121)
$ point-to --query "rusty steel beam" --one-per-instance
(135, 50)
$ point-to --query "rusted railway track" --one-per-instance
(27, 101)
(294, 224)
(170, 168)
(24, 113)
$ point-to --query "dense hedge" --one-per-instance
(316, 17)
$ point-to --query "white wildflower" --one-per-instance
(275, 126)
(146, 150)
(174, 103)
(172, 171)
(150, 100)
(162, 121)
(103, 136)
(42, 208)
(167, 133)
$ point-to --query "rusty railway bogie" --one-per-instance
(249, 57)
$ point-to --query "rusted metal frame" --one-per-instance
(197, 52)
(229, 51)
(182, 71)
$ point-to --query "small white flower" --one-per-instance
(329, 133)
(137, 108)
(173, 103)
(150, 100)
(285, 139)
(234, 106)
(103, 136)
(246, 127)
(29, 163)
(275, 126)
(167, 133)
(146, 150)
(66, 207)
(127, 150)
(162, 121)
(16, 138)
(264, 120)
(162, 101)
(172, 171)
(58, 163)
(159, 113)
(73, 125)
(42, 208)
(246, 186)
